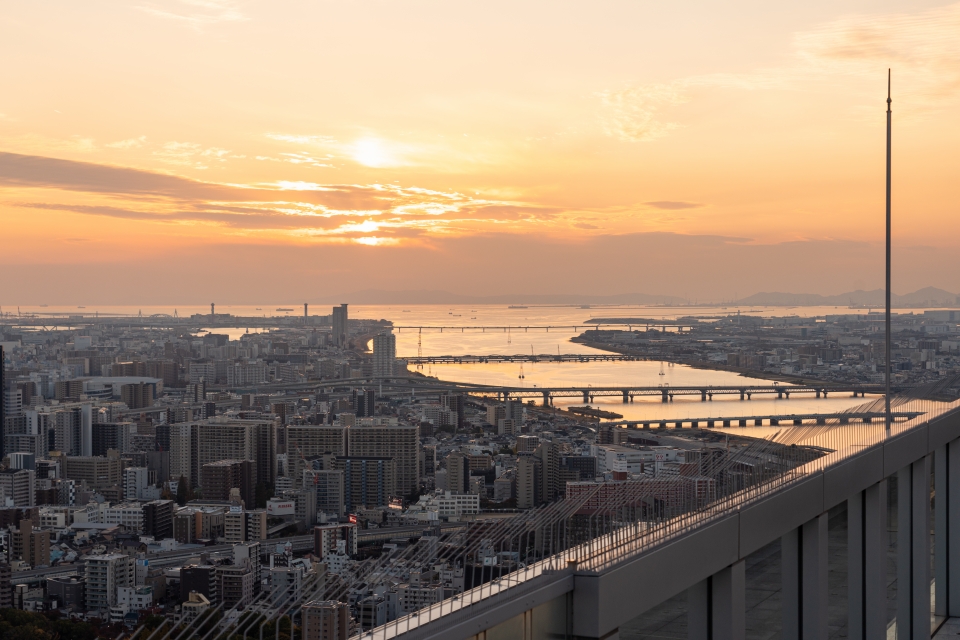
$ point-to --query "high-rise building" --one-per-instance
(236, 584)
(104, 575)
(458, 473)
(384, 355)
(221, 438)
(111, 435)
(18, 485)
(400, 442)
(325, 620)
(549, 455)
(158, 519)
(341, 328)
(218, 478)
(137, 395)
(329, 487)
(135, 481)
(98, 471)
(305, 442)
(32, 547)
(367, 481)
(528, 482)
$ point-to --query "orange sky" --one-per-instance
(419, 144)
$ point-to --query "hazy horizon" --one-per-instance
(181, 151)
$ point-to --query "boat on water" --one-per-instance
(283, 309)
(517, 306)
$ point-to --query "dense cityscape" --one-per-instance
(159, 467)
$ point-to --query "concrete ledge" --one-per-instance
(601, 603)
(484, 615)
(764, 522)
(904, 449)
(852, 476)
(943, 430)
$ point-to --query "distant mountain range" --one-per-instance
(927, 297)
(425, 296)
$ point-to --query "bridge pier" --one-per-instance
(726, 423)
(703, 395)
(664, 392)
(546, 398)
(742, 394)
(586, 397)
(626, 397)
(818, 393)
(774, 422)
(779, 394)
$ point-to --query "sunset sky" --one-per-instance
(159, 151)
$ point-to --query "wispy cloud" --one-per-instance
(191, 154)
(632, 114)
(130, 143)
(672, 205)
(196, 13)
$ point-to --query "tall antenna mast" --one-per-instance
(887, 355)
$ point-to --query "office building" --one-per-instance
(218, 478)
(367, 481)
(458, 473)
(202, 579)
(325, 620)
(158, 519)
(22, 460)
(30, 546)
(112, 435)
(104, 575)
(341, 327)
(400, 442)
(384, 355)
(98, 472)
(18, 485)
(69, 591)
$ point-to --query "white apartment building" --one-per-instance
(105, 574)
(127, 514)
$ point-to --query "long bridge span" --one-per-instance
(585, 392)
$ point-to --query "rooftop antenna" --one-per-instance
(887, 346)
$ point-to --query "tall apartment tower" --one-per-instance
(341, 331)
(400, 442)
(458, 473)
(384, 355)
(325, 620)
